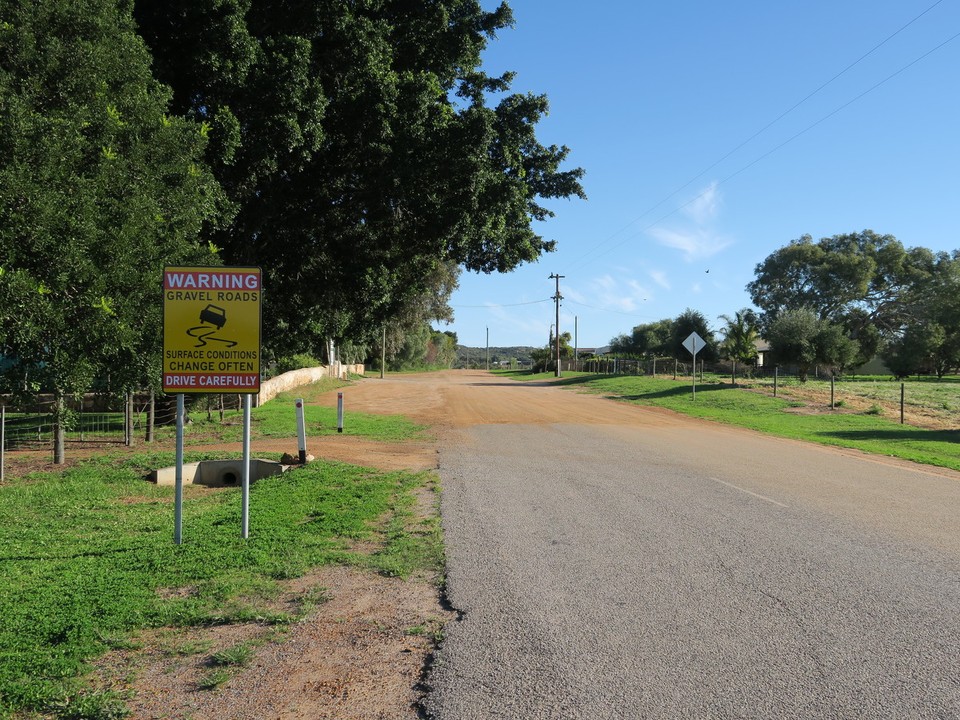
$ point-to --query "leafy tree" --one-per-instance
(99, 188)
(929, 340)
(792, 338)
(685, 323)
(649, 339)
(800, 337)
(834, 348)
(861, 279)
(912, 352)
(442, 349)
(546, 358)
(740, 338)
(358, 146)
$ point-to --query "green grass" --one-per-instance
(87, 557)
(277, 418)
(235, 656)
(870, 432)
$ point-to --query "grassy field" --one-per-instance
(875, 429)
(87, 557)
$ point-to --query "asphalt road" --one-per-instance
(654, 568)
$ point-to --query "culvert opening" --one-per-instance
(217, 473)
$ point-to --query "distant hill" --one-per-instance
(499, 356)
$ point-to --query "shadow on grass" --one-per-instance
(917, 434)
(549, 382)
(678, 391)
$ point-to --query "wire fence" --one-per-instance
(100, 419)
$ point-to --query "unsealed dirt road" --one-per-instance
(612, 561)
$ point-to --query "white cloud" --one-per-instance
(660, 278)
(621, 295)
(700, 240)
(695, 244)
(703, 208)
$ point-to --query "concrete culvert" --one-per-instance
(217, 473)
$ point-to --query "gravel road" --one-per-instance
(615, 562)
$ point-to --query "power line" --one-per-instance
(532, 302)
(606, 310)
(765, 155)
(591, 253)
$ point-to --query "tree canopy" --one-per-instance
(358, 146)
(740, 337)
(99, 188)
(862, 275)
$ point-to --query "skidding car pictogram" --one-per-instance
(215, 315)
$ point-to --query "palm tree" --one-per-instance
(740, 336)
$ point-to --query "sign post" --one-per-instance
(211, 344)
(694, 343)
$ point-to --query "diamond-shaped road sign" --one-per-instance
(694, 343)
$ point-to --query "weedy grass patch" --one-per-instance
(87, 557)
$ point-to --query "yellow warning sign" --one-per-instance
(211, 329)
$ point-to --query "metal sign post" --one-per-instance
(178, 492)
(245, 501)
(211, 344)
(694, 344)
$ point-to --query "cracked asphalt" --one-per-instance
(614, 562)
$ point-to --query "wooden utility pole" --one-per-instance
(557, 298)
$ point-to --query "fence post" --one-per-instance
(832, 405)
(151, 416)
(3, 439)
(776, 372)
(128, 419)
(901, 403)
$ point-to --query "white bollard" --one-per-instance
(301, 432)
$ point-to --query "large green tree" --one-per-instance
(685, 323)
(799, 337)
(928, 340)
(647, 339)
(858, 279)
(357, 142)
(99, 188)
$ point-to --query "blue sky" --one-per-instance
(654, 101)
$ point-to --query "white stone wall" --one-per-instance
(269, 389)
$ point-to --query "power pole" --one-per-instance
(488, 350)
(557, 298)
